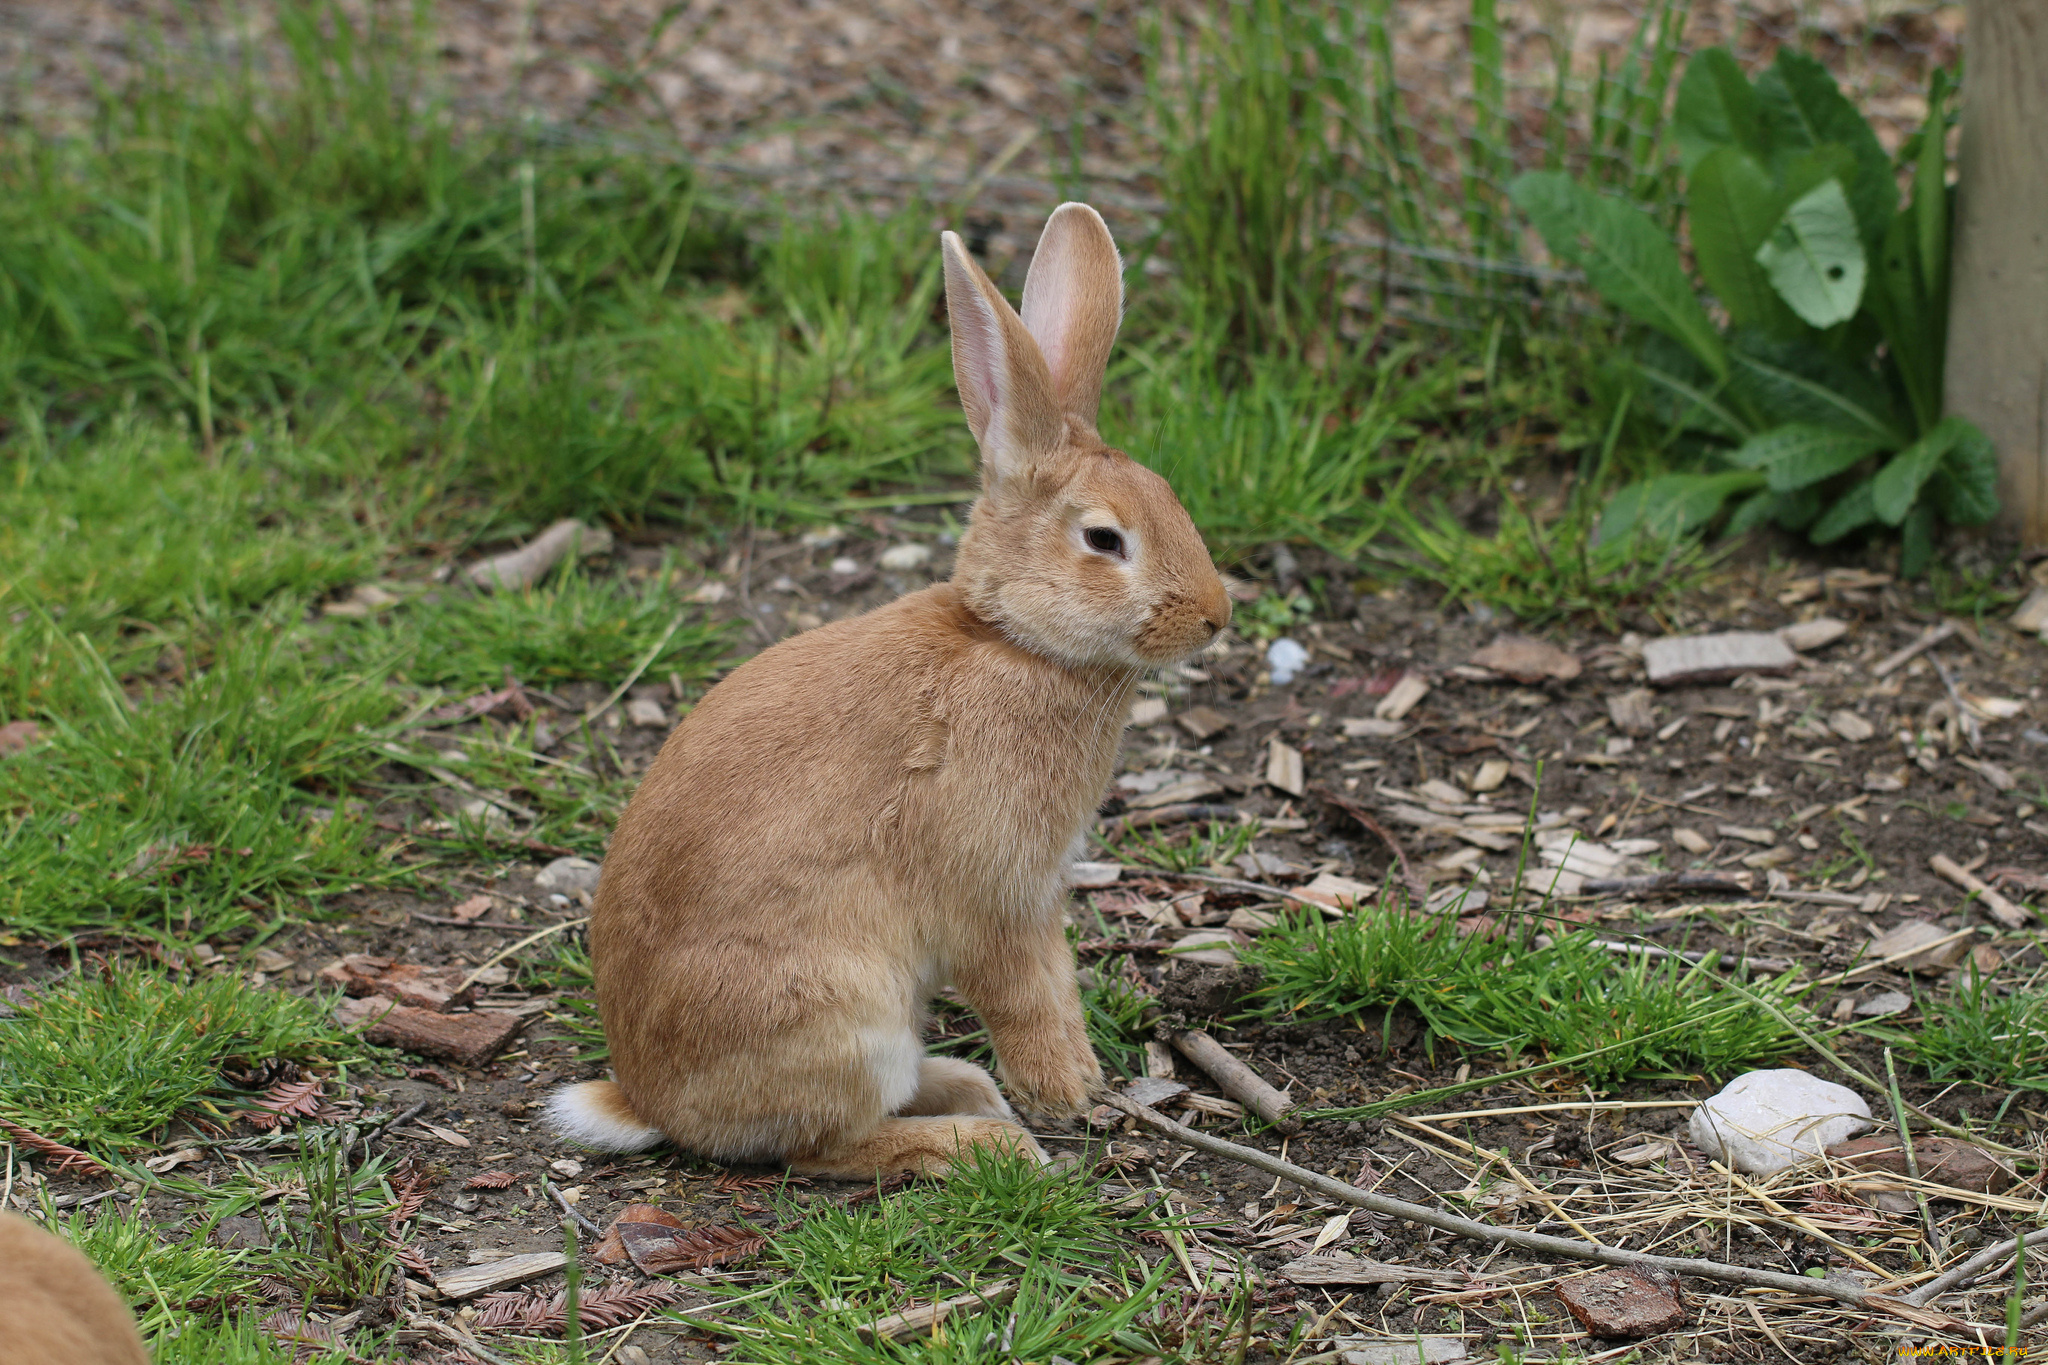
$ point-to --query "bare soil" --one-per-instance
(1754, 753)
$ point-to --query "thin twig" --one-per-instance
(1955, 1275)
(1233, 884)
(1972, 731)
(570, 1209)
(495, 958)
(1839, 1290)
(646, 661)
(1929, 638)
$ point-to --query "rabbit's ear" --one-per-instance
(1073, 301)
(1003, 383)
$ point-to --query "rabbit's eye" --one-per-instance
(1103, 539)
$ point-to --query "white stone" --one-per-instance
(568, 876)
(646, 714)
(1285, 658)
(1764, 1121)
(907, 556)
(1148, 711)
(844, 566)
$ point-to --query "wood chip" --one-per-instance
(1633, 712)
(1749, 834)
(1851, 727)
(470, 1281)
(1183, 792)
(1337, 892)
(2004, 911)
(645, 713)
(1371, 727)
(1154, 1090)
(1492, 773)
(428, 988)
(1937, 948)
(1403, 697)
(1818, 633)
(1203, 722)
(1284, 768)
(2032, 614)
(921, 1322)
(1093, 874)
(1528, 660)
(1691, 840)
(1715, 658)
(1339, 1268)
(1621, 1303)
(471, 1039)
(1158, 1061)
(1148, 711)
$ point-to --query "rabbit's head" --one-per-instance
(1074, 550)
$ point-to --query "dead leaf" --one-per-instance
(291, 1099)
(447, 1135)
(1528, 660)
(611, 1250)
(475, 908)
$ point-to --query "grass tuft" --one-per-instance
(1562, 999)
(103, 1061)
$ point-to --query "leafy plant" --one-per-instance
(1818, 402)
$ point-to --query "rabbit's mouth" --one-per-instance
(1181, 626)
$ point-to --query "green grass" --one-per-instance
(1081, 1292)
(106, 1058)
(1561, 1001)
(1982, 1034)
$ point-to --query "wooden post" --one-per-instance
(1997, 371)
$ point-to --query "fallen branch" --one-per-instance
(1165, 815)
(1237, 1080)
(1929, 638)
(1955, 1275)
(1233, 884)
(524, 567)
(2004, 911)
(1840, 1290)
(1664, 881)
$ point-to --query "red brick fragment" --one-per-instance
(1621, 1303)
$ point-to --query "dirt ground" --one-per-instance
(1769, 757)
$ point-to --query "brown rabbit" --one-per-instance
(888, 804)
(54, 1307)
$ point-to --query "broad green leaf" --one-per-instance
(1689, 401)
(1803, 108)
(1897, 485)
(1797, 455)
(1913, 334)
(1796, 511)
(1853, 510)
(1550, 198)
(1792, 382)
(1815, 259)
(1752, 512)
(1932, 199)
(1626, 257)
(1916, 541)
(1672, 505)
(1964, 488)
(1731, 207)
(1717, 107)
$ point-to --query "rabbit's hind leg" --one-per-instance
(948, 1085)
(926, 1145)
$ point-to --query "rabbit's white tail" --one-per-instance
(597, 1115)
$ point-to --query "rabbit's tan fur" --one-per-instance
(54, 1307)
(886, 805)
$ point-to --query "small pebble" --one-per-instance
(1285, 658)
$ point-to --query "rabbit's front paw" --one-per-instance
(1054, 1084)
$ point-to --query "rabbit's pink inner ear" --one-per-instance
(1073, 303)
(1004, 389)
